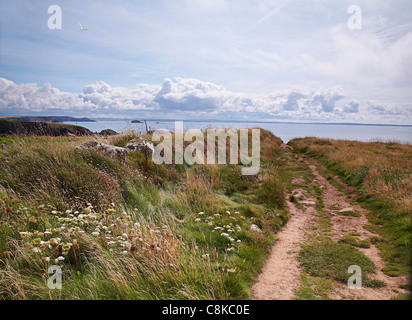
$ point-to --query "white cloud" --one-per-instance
(196, 99)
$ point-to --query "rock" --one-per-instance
(299, 194)
(108, 132)
(12, 126)
(254, 227)
(298, 180)
(346, 210)
(141, 145)
(308, 202)
(116, 153)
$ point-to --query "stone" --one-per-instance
(116, 153)
(141, 145)
(108, 133)
(254, 227)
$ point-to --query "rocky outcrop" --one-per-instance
(108, 133)
(141, 145)
(116, 153)
(12, 126)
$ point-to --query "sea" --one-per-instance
(285, 131)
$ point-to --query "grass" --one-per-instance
(326, 259)
(135, 230)
(313, 288)
(382, 176)
(354, 241)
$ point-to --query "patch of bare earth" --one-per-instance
(342, 225)
(280, 277)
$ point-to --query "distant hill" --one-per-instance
(137, 121)
(13, 126)
(55, 119)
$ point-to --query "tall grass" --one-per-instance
(135, 230)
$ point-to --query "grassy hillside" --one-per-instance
(134, 230)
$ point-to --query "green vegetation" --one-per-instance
(329, 260)
(313, 288)
(135, 230)
(353, 241)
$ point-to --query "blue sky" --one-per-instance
(286, 60)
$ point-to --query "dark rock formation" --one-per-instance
(12, 126)
(108, 132)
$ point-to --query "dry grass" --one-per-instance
(384, 169)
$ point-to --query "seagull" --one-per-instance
(82, 29)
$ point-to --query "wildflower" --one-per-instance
(124, 253)
(95, 233)
(23, 235)
(46, 259)
(206, 256)
(201, 213)
(36, 250)
(198, 220)
(68, 211)
(231, 270)
(66, 247)
(36, 241)
(87, 210)
(228, 212)
(54, 212)
(59, 259)
(57, 230)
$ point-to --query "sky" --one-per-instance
(266, 60)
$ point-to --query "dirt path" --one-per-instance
(281, 274)
(342, 225)
(280, 277)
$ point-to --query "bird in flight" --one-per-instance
(82, 29)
